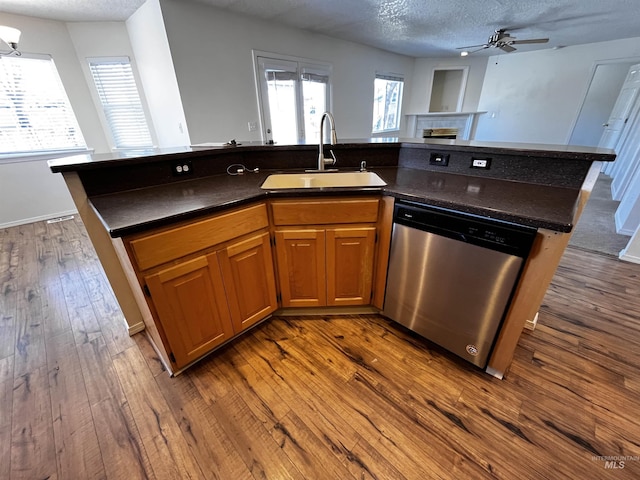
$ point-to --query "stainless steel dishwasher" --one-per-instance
(451, 276)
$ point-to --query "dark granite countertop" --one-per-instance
(539, 206)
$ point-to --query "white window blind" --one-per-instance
(120, 101)
(35, 114)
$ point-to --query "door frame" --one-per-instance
(263, 113)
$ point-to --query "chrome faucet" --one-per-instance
(322, 160)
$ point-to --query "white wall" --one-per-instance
(158, 79)
(143, 40)
(626, 175)
(211, 52)
(423, 76)
(536, 96)
(29, 191)
(103, 39)
(627, 214)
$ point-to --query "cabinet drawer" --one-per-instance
(157, 248)
(325, 211)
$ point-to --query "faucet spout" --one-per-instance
(322, 160)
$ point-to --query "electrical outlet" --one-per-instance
(182, 168)
(483, 163)
(441, 159)
(253, 126)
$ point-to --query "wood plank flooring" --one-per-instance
(354, 397)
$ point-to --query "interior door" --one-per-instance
(622, 109)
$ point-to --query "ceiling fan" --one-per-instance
(502, 40)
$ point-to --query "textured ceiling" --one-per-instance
(73, 10)
(420, 28)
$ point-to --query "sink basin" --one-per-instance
(320, 180)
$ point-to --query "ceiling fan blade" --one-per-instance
(506, 48)
(532, 40)
(484, 45)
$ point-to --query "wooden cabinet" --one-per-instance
(207, 281)
(325, 250)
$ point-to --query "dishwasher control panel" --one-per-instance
(490, 234)
(506, 236)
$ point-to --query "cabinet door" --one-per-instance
(249, 280)
(192, 307)
(350, 265)
(301, 267)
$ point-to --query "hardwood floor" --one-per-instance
(354, 397)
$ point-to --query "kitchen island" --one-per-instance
(124, 202)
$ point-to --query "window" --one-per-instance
(35, 114)
(387, 102)
(293, 96)
(118, 93)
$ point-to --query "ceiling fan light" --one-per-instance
(10, 36)
(464, 53)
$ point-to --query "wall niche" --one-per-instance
(447, 89)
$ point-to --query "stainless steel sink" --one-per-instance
(322, 180)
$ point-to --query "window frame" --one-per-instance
(390, 77)
(303, 66)
(49, 153)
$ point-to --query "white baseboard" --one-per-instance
(40, 218)
(625, 231)
(620, 223)
(628, 258)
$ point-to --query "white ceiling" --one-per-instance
(420, 28)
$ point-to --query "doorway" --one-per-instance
(293, 93)
(599, 100)
(597, 229)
